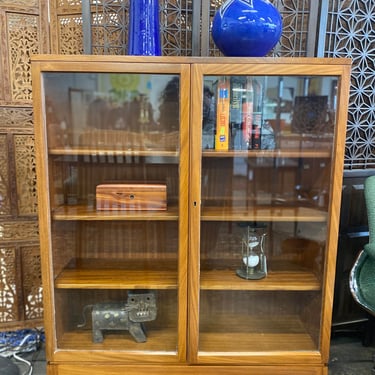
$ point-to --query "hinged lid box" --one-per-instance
(131, 196)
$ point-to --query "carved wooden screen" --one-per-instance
(21, 33)
(350, 32)
(66, 27)
(101, 26)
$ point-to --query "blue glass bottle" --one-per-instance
(246, 27)
(144, 29)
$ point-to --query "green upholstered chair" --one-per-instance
(362, 275)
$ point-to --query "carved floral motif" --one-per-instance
(4, 177)
(23, 41)
(71, 35)
(19, 231)
(16, 117)
(8, 307)
(25, 174)
(32, 283)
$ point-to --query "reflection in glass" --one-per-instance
(125, 111)
(270, 112)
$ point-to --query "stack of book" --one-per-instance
(239, 116)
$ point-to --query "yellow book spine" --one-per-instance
(222, 115)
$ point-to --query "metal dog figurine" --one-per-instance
(130, 316)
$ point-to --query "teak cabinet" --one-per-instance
(188, 212)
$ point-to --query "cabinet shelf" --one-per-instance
(264, 213)
(278, 153)
(99, 152)
(280, 281)
(253, 335)
(162, 341)
(85, 212)
(116, 278)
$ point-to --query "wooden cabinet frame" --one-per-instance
(191, 350)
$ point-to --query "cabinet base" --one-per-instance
(91, 369)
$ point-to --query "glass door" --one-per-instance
(262, 196)
(116, 189)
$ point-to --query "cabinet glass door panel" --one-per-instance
(248, 112)
(114, 157)
(112, 111)
(265, 170)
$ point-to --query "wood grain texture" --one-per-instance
(89, 213)
(131, 197)
(228, 280)
(264, 213)
(78, 369)
(159, 342)
(102, 151)
(116, 279)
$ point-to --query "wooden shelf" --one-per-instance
(110, 151)
(275, 281)
(112, 278)
(253, 334)
(247, 343)
(263, 213)
(284, 153)
(162, 341)
(85, 212)
(118, 274)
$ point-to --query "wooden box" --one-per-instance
(126, 197)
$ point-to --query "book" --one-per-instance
(222, 114)
(235, 119)
(247, 114)
(257, 115)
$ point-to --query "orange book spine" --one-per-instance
(222, 115)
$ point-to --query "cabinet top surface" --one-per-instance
(50, 58)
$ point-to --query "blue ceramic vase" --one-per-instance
(144, 28)
(246, 27)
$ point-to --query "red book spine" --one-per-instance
(247, 114)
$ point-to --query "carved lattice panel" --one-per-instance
(23, 33)
(66, 26)
(70, 34)
(20, 285)
(23, 36)
(5, 208)
(19, 231)
(16, 118)
(25, 174)
(176, 21)
(20, 274)
(68, 3)
(296, 17)
(351, 33)
(21, 3)
(109, 28)
(9, 311)
(32, 282)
